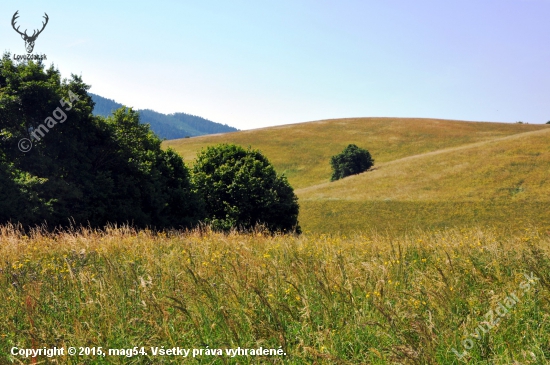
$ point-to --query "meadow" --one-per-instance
(302, 151)
(428, 173)
(438, 255)
(323, 299)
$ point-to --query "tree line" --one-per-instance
(171, 126)
(92, 170)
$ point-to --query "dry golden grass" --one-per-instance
(428, 173)
(515, 168)
(302, 151)
(326, 299)
(503, 183)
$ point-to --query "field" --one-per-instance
(428, 173)
(438, 255)
(320, 299)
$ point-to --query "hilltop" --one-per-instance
(169, 126)
(428, 173)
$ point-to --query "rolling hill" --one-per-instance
(168, 126)
(428, 173)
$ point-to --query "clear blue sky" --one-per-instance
(253, 64)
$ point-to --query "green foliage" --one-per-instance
(353, 160)
(548, 122)
(18, 189)
(172, 126)
(88, 170)
(241, 189)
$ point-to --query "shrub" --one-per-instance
(241, 189)
(353, 160)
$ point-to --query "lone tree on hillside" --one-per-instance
(241, 189)
(353, 160)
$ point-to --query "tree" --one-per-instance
(241, 189)
(83, 169)
(353, 160)
(548, 122)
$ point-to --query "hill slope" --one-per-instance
(428, 173)
(516, 165)
(171, 126)
(302, 151)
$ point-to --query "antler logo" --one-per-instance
(29, 40)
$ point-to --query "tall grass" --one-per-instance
(326, 299)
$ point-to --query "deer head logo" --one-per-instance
(29, 40)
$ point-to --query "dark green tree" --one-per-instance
(548, 122)
(353, 160)
(83, 169)
(241, 189)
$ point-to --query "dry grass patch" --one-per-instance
(302, 151)
(325, 299)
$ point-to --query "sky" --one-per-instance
(253, 64)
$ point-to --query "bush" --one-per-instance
(241, 190)
(353, 160)
(548, 122)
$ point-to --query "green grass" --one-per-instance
(302, 151)
(325, 299)
(428, 173)
(514, 168)
(400, 217)
(399, 265)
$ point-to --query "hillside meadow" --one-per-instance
(432, 297)
(302, 151)
(438, 255)
(428, 173)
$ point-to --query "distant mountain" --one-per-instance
(169, 126)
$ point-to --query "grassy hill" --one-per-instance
(428, 173)
(514, 167)
(432, 296)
